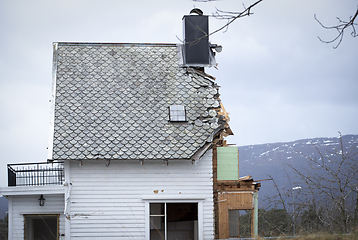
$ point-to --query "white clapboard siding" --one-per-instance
(109, 202)
(29, 204)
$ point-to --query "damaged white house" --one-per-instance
(137, 149)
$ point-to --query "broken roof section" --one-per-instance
(112, 102)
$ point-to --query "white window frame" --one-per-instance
(200, 203)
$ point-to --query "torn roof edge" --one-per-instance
(200, 73)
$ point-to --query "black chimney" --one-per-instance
(197, 52)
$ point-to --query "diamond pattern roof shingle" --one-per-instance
(112, 102)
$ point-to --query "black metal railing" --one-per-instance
(35, 174)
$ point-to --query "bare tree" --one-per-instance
(3, 226)
(275, 201)
(274, 219)
(230, 17)
(328, 199)
(331, 181)
(341, 27)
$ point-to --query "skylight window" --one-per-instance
(177, 113)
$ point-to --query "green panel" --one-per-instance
(227, 163)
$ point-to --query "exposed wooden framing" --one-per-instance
(238, 194)
(240, 200)
(223, 112)
(232, 195)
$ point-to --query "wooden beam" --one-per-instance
(226, 114)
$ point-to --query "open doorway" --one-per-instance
(41, 227)
(174, 221)
(239, 223)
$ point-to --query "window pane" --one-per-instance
(157, 228)
(157, 209)
(180, 107)
(181, 118)
(182, 220)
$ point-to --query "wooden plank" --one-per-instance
(226, 114)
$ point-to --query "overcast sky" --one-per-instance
(278, 81)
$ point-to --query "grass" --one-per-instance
(324, 236)
(351, 236)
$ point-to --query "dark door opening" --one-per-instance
(41, 227)
(240, 223)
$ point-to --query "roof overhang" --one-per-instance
(32, 190)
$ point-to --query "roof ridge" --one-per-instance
(116, 44)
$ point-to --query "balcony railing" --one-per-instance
(35, 174)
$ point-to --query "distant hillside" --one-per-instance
(263, 160)
(3, 206)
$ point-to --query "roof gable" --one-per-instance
(112, 102)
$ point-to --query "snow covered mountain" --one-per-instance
(274, 159)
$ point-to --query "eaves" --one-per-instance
(32, 190)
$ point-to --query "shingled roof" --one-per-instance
(112, 102)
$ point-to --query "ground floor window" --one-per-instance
(173, 221)
(41, 227)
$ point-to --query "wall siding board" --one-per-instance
(107, 202)
(167, 189)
